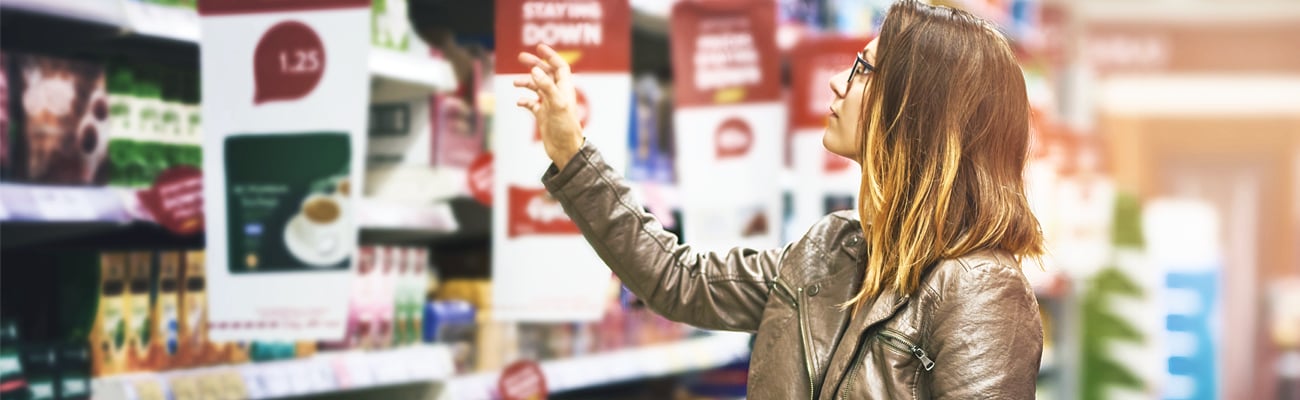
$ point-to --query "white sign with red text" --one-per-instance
(284, 136)
(823, 182)
(730, 123)
(543, 270)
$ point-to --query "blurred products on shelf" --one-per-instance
(60, 120)
(79, 122)
(156, 123)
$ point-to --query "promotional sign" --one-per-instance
(542, 268)
(824, 182)
(1182, 240)
(285, 103)
(729, 123)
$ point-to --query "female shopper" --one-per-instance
(918, 294)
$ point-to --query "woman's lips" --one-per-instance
(833, 113)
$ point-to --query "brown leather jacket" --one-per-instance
(971, 331)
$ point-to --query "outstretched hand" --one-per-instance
(553, 104)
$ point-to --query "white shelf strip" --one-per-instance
(714, 350)
(322, 373)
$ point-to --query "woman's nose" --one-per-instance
(840, 83)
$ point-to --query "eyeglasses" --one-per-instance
(860, 66)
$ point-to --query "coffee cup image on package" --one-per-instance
(287, 202)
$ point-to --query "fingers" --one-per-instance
(561, 67)
(545, 83)
(531, 60)
(525, 82)
(529, 103)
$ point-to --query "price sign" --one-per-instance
(288, 62)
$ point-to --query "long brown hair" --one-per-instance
(945, 137)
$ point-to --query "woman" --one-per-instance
(918, 294)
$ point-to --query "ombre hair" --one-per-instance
(944, 141)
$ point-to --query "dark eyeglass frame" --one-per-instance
(859, 64)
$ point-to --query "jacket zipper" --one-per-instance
(803, 334)
(897, 341)
(853, 371)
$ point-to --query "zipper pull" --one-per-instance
(926, 362)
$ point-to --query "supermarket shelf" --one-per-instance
(138, 27)
(42, 203)
(35, 214)
(94, 12)
(318, 374)
(400, 76)
(711, 351)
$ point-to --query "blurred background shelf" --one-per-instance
(170, 35)
(710, 351)
(330, 372)
(34, 215)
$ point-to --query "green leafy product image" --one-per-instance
(191, 149)
(122, 120)
(152, 148)
(171, 124)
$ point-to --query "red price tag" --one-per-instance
(522, 380)
(480, 179)
(176, 200)
(288, 62)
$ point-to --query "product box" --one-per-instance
(462, 120)
(40, 363)
(166, 321)
(154, 114)
(12, 380)
(416, 293)
(453, 324)
(389, 260)
(139, 330)
(73, 371)
(60, 118)
(108, 335)
(194, 348)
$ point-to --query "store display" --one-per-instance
(533, 240)
(282, 188)
(823, 182)
(61, 121)
(729, 123)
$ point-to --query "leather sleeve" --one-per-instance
(987, 336)
(725, 291)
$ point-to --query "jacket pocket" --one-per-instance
(898, 342)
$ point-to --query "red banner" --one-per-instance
(534, 212)
(724, 52)
(218, 7)
(814, 61)
(176, 200)
(593, 35)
